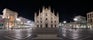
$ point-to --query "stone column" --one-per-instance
(53, 22)
(35, 20)
(50, 22)
(57, 20)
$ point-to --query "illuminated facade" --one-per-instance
(75, 25)
(79, 22)
(22, 22)
(90, 17)
(46, 19)
(10, 17)
(1, 22)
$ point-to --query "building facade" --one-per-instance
(10, 17)
(23, 22)
(75, 25)
(90, 17)
(46, 19)
(80, 19)
(1, 22)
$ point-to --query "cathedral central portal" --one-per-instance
(46, 25)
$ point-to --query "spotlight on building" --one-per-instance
(75, 19)
(18, 19)
(64, 22)
(28, 21)
(80, 19)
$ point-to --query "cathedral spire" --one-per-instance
(39, 12)
(35, 17)
(53, 11)
(43, 8)
(35, 14)
(49, 8)
(57, 14)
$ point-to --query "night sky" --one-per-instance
(67, 9)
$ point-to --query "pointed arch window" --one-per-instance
(46, 25)
(51, 25)
(51, 21)
(90, 20)
(37, 21)
(55, 25)
(37, 25)
(51, 18)
(41, 21)
(41, 26)
(46, 18)
(46, 14)
(55, 21)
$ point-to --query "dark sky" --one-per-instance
(67, 9)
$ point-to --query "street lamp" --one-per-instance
(75, 19)
(64, 22)
(18, 19)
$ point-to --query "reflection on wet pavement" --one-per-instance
(65, 34)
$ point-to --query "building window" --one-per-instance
(51, 21)
(55, 21)
(92, 15)
(46, 25)
(90, 20)
(41, 21)
(51, 25)
(37, 25)
(55, 25)
(46, 18)
(41, 26)
(87, 16)
(40, 18)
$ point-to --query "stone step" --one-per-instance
(47, 37)
(45, 31)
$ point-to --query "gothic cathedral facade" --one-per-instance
(46, 19)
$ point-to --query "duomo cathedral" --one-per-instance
(46, 19)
